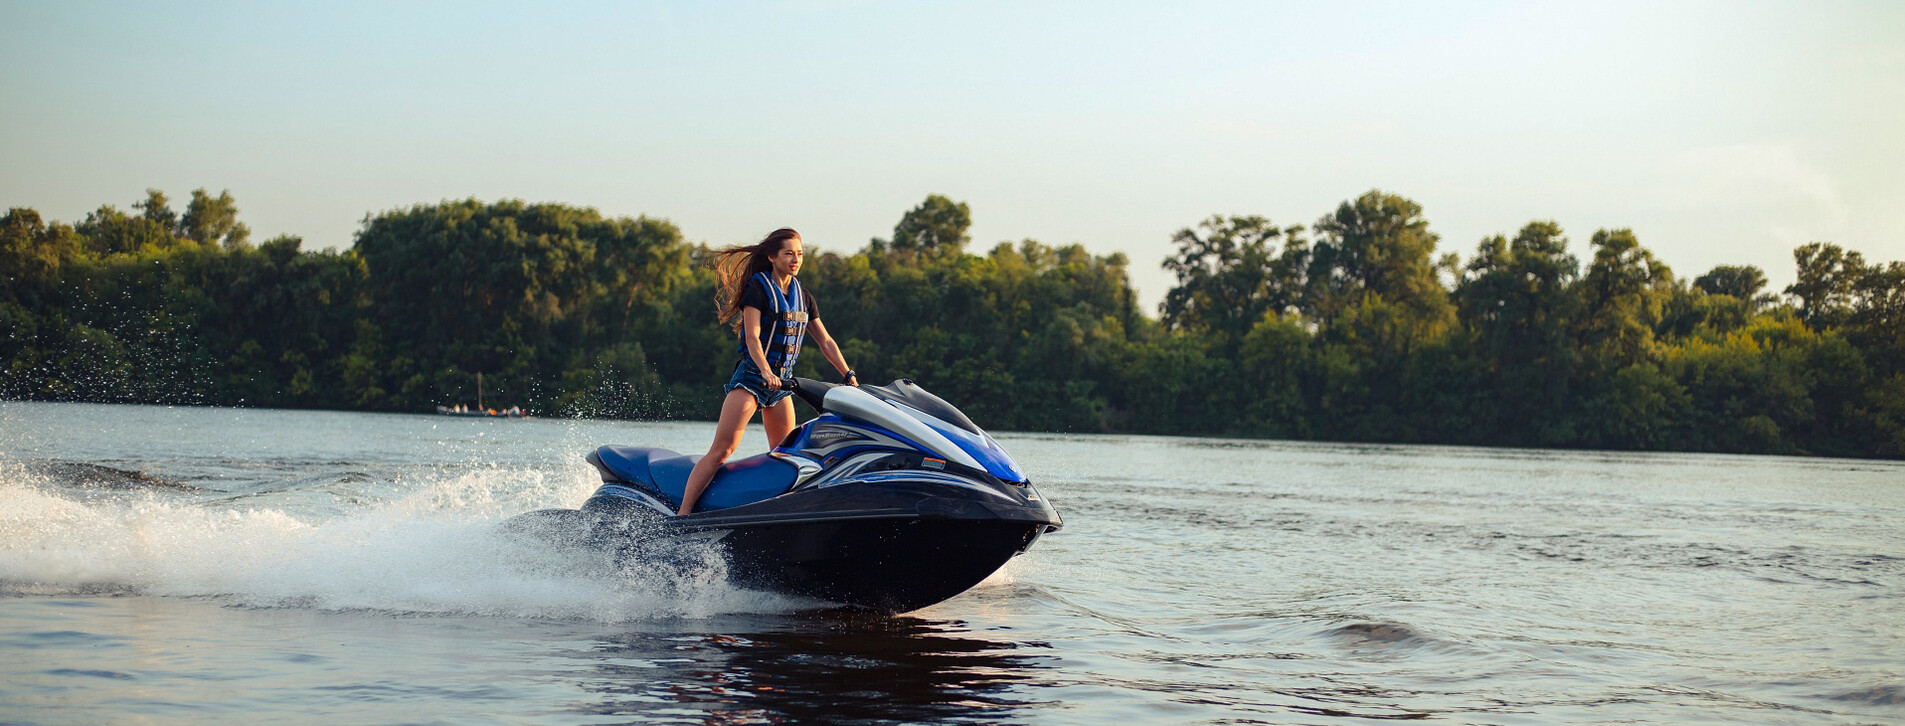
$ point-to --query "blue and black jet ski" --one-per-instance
(890, 501)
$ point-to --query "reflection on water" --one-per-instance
(830, 669)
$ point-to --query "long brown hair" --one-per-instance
(734, 266)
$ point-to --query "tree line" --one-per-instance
(1352, 328)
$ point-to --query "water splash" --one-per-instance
(435, 549)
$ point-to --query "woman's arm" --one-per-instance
(751, 337)
(831, 350)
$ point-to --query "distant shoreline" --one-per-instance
(1357, 327)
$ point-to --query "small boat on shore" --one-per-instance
(480, 411)
(511, 412)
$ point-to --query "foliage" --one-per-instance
(936, 224)
(1350, 329)
(1230, 274)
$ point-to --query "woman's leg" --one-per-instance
(736, 410)
(778, 419)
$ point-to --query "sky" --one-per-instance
(1720, 132)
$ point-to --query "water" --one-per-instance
(177, 565)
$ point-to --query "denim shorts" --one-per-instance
(748, 377)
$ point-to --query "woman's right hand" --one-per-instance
(773, 381)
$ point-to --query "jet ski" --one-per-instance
(890, 501)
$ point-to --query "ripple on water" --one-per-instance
(112, 675)
(1889, 695)
(62, 639)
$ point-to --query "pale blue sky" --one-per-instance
(1722, 132)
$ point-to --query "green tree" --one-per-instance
(33, 252)
(1230, 274)
(938, 223)
(1376, 245)
(1740, 281)
(1515, 293)
(212, 220)
(1514, 298)
(1621, 298)
(515, 291)
(158, 209)
(1824, 283)
(108, 231)
(1378, 301)
(1876, 323)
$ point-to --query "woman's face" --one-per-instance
(787, 260)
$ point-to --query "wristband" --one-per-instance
(849, 375)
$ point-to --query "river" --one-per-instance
(185, 565)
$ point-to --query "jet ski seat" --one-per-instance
(740, 481)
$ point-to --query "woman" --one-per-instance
(771, 313)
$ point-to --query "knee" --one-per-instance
(724, 447)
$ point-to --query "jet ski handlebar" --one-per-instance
(809, 390)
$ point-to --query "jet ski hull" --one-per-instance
(891, 545)
(878, 563)
(889, 565)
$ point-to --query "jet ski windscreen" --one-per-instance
(904, 391)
